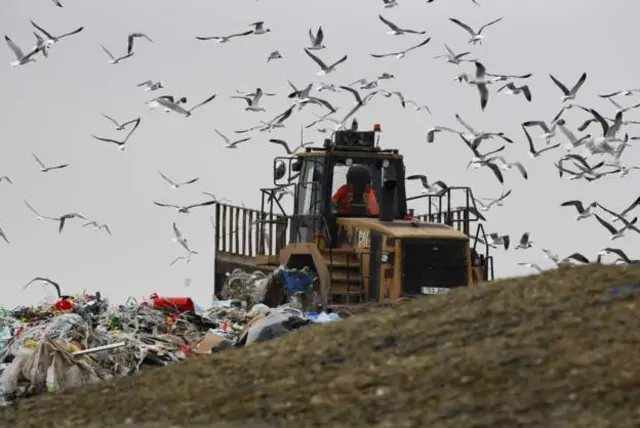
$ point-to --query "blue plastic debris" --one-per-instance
(322, 317)
(296, 281)
(624, 290)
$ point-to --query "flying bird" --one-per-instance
(511, 89)
(316, 40)
(531, 265)
(180, 239)
(434, 188)
(286, 146)
(6, 178)
(229, 144)
(97, 226)
(121, 144)
(569, 94)
(4, 236)
(532, 150)
(115, 60)
(46, 281)
(225, 39)
(258, 28)
(618, 233)
(253, 102)
(325, 68)
(389, 3)
(50, 40)
(119, 126)
(525, 242)
(150, 85)
(131, 39)
(21, 58)
(397, 31)
(274, 55)
(453, 57)
(45, 168)
(169, 103)
(481, 82)
(402, 54)
(187, 208)
(175, 185)
(621, 254)
(582, 211)
(38, 215)
(476, 37)
(63, 219)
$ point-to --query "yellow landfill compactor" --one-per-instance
(350, 224)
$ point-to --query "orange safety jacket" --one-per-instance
(344, 197)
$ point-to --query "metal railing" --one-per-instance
(247, 232)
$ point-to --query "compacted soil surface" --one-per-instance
(551, 350)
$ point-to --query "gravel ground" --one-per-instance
(550, 350)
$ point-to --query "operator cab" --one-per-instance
(344, 178)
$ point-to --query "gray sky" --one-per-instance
(53, 106)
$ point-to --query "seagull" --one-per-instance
(41, 45)
(185, 209)
(6, 178)
(432, 131)
(497, 202)
(390, 3)
(253, 102)
(3, 236)
(121, 144)
(51, 40)
(58, 3)
(225, 39)
(119, 127)
(476, 37)
(45, 168)
(63, 219)
(38, 216)
(215, 198)
(402, 54)
(508, 165)
(620, 216)
(274, 55)
(131, 39)
(478, 136)
(187, 259)
(325, 69)
(180, 239)
(115, 60)
(531, 265)
(503, 77)
(582, 212)
(286, 146)
(549, 132)
(511, 89)
(569, 94)
(495, 240)
(253, 94)
(525, 242)
(397, 31)
(452, 57)
(532, 150)
(97, 226)
(481, 83)
(435, 188)
(316, 41)
(258, 28)
(175, 185)
(627, 92)
(417, 106)
(47, 281)
(150, 85)
(621, 254)
(22, 59)
(171, 105)
(229, 144)
(618, 233)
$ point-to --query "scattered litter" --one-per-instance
(80, 340)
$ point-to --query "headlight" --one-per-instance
(384, 258)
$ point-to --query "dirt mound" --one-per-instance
(557, 349)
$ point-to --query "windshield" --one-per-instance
(357, 184)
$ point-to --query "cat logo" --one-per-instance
(363, 238)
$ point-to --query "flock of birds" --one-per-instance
(607, 143)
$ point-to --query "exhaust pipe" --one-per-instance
(387, 200)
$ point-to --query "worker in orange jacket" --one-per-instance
(358, 190)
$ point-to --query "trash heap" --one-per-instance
(83, 339)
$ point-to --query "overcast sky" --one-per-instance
(53, 106)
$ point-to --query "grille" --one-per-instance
(441, 263)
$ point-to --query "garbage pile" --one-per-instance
(83, 339)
